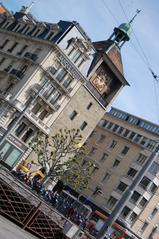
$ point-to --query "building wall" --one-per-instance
(116, 167)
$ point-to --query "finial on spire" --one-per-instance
(137, 12)
(30, 5)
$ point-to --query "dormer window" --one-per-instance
(75, 56)
(50, 36)
(78, 51)
(17, 27)
(26, 30)
(6, 25)
(36, 33)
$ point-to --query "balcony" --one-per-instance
(43, 95)
(31, 56)
(67, 90)
(17, 74)
(38, 121)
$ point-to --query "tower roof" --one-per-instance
(125, 29)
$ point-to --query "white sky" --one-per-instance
(99, 22)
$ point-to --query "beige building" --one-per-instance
(52, 76)
(119, 146)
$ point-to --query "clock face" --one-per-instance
(99, 83)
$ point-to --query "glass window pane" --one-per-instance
(4, 149)
(13, 157)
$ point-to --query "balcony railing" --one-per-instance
(17, 73)
(31, 56)
(66, 90)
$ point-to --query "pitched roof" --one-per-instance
(112, 51)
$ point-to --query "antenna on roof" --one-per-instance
(137, 12)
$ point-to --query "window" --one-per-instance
(121, 187)
(36, 108)
(110, 125)
(115, 128)
(152, 188)
(111, 202)
(151, 144)
(12, 156)
(23, 68)
(143, 141)
(68, 81)
(27, 135)
(80, 62)
(43, 114)
(116, 163)
(8, 68)
(72, 49)
(22, 50)
(154, 168)
(73, 115)
(104, 157)
(93, 150)
(131, 136)
(13, 47)
(137, 138)
(153, 213)
(106, 177)
(131, 172)
(143, 228)
(143, 202)
(55, 97)
(83, 125)
(95, 168)
(20, 129)
(141, 159)
(61, 74)
(104, 123)
(17, 27)
(25, 30)
(4, 44)
(120, 131)
(125, 150)
(135, 197)
(74, 57)
(89, 105)
(101, 139)
(144, 182)
(132, 217)
(56, 66)
(113, 144)
(2, 61)
(11, 123)
(125, 212)
(51, 34)
(37, 31)
(48, 91)
(126, 133)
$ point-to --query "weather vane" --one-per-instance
(137, 12)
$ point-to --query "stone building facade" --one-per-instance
(54, 77)
(119, 146)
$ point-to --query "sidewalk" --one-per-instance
(10, 230)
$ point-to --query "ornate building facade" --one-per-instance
(51, 77)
